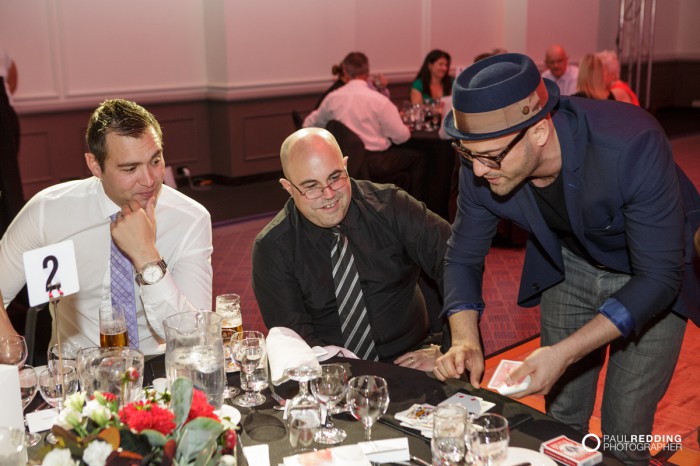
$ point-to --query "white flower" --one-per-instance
(227, 460)
(59, 457)
(75, 401)
(96, 453)
(97, 412)
(226, 423)
(69, 418)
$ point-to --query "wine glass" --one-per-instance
(67, 352)
(13, 350)
(248, 350)
(329, 388)
(489, 439)
(54, 389)
(368, 398)
(304, 411)
(229, 307)
(28, 386)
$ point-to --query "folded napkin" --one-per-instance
(346, 455)
(257, 455)
(286, 350)
(386, 451)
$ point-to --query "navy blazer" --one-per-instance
(629, 205)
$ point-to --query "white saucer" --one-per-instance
(230, 411)
(523, 455)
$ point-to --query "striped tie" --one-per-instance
(351, 305)
(122, 283)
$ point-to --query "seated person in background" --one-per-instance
(366, 297)
(433, 80)
(590, 82)
(376, 82)
(611, 75)
(559, 70)
(111, 218)
(377, 122)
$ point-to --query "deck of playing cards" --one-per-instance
(571, 453)
(498, 381)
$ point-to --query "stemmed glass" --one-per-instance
(54, 389)
(28, 386)
(13, 350)
(329, 388)
(304, 411)
(248, 350)
(489, 439)
(68, 352)
(368, 398)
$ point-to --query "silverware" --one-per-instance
(282, 402)
(415, 459)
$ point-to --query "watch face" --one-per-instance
(152, 273)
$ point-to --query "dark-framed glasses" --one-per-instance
(336, 182)
(491, 161)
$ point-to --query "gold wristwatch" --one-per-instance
(152, 273)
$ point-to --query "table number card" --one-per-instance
(50, 265)
(11, 398)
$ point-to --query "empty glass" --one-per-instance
(329, 388)
(54, 389)
(304, 411)
(449, 430)
(13, 350)
(489, 439)
(368, 398)
(28, 386)
(68, 354)
(103, 369)
(249, 352)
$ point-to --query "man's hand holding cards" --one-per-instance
(501, 377)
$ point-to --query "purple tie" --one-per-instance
(122, 282)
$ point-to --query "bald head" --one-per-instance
(556, 60)
(305, 142)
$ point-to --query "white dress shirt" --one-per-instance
(80, 211)
(369, 114)
(567, 81)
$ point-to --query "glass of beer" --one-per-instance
(113, 327)
(228, 306)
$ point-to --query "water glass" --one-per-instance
(303, 411)
(113, 331)
(13, 350)
(368, 399)
(249, 351)
(13, 451)
(449, 430)
(54, 389)
(67, 353)
(103, 369)
(329, 388)
(489, 439)
(28, 386)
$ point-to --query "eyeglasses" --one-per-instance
(314, 193)
(489, 161)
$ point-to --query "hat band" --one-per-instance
(502, 118)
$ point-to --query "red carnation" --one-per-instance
(230, 440)
(143, 415)
(200, 407)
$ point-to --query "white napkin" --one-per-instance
(391, 450)
(257, 455)
(12, 399)
(285, 350)
(346, 455)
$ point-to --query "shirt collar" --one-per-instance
(316, 233)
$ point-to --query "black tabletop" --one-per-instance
(406, 387)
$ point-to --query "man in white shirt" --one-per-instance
(377, 122)
(123, 202)
(559, 70)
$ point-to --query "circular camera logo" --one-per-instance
(597, 441)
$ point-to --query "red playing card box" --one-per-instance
(566, 451)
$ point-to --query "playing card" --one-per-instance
(570, 452)
(474, 404)
(418, 416)
(498, 381)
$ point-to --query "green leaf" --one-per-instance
(155, 438)
(206, 453)
(196, 437)
(134, 442)
(181, 400)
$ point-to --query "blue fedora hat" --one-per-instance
(499, 95)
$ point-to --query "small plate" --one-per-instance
(523, 455)
(229, 411)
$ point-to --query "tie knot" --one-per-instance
(336, 231)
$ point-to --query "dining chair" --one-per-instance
(352, 147)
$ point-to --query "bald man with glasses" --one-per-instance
(334, 233)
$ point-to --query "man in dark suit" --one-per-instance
(609, 255)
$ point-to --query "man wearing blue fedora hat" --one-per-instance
(609, 254)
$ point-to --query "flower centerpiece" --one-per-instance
(178, 427)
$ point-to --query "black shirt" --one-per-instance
(392, 236)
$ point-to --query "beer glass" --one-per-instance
(228, 306)
(113, 327)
